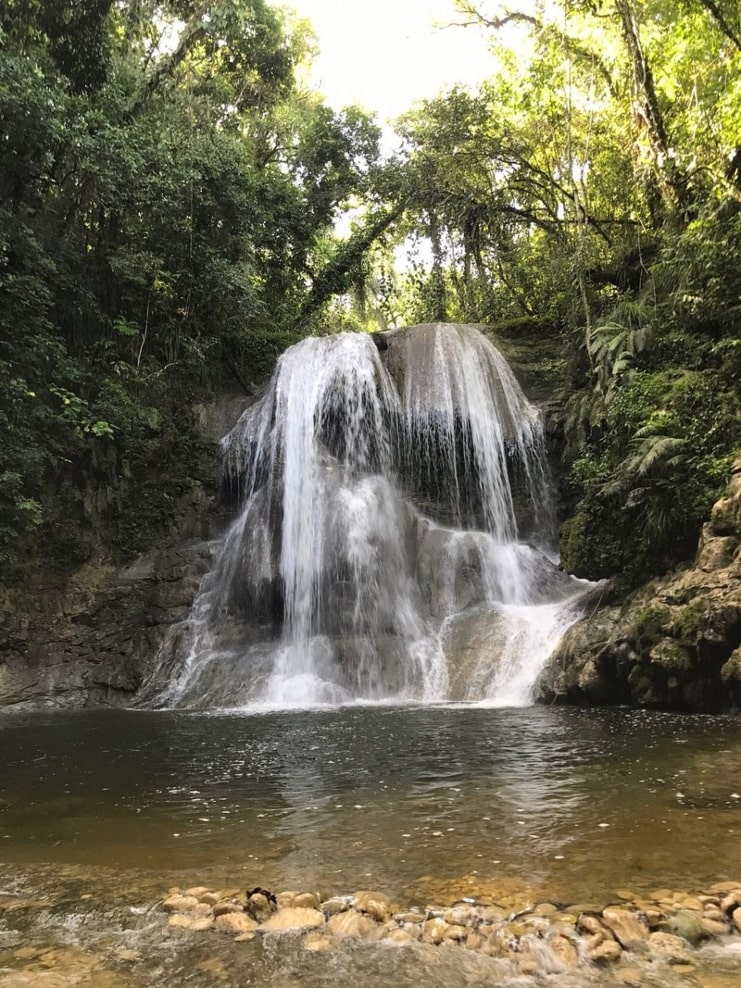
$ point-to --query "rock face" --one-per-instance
(676, 644)
(91, 639)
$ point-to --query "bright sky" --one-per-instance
(386, 54)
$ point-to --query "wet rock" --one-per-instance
(318, 942)
(375, 904)
(408, 917)
(235, 923)
(292, 918)
(399, 935)
(307, 900)
(194, 923)
(594, 927)
(654, 917)
(352, 923)
(687, 925)
(627, 927)
(736, 917)
(227, 906)
(671, 948)
(434, 930)
(335, 904)
(180, 903)
(676, 644)
(730, 671)
(723, 887)
(689, 902)
(462, 915)
(456, 933)
(605, 952)
(260, 906)
(565, 950)
(714, 928)
(731, 901)
(197, 891)
(725, 517)
(545, 909)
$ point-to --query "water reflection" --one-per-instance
(578, 802)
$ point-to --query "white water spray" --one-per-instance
(377, 554)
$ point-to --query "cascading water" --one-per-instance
(379, 553)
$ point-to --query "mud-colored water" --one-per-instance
(100, 812)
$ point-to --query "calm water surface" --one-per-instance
(424, 803)
(582, 801)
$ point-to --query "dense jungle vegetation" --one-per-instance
(169, 203)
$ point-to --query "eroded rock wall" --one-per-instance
(676, 644)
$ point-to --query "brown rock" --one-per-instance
(351, 923)
(292, 918)
(434, 930)
(318, 942)
(180, 904)
(725, 517)
(606, 952)
(375, 904)
(336, 904)
(287, 899)
(235, 923)
(714, 928)
(725, 886)
(671, 948)
(194, 923)
(399, 936)
(197, 891)
(408, 917)
(565, 950)
(462, 915)
(731, 901)
(260, 907)
(654, 917)
(306, 900)
(629, 930)
(226, 906)
(593, 926)
(736, 917)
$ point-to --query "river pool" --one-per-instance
(102, 811)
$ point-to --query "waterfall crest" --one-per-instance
(393, 535)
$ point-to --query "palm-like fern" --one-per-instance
(653, 456)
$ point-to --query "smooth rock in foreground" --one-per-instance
(292, 918)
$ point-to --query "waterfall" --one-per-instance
(393, 537)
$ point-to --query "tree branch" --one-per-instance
(717, 14)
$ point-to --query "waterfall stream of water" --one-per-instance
(394, 537)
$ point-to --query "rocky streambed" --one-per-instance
(662, 928)
(205, 935)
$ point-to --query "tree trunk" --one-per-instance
(671, 181)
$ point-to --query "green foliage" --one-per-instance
(161, 209)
